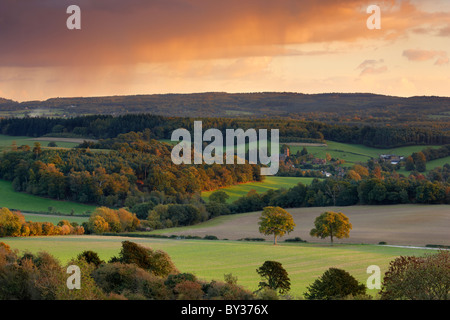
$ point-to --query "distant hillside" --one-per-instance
(348, 107)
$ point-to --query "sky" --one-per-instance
(186, 46)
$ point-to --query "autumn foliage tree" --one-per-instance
(331, 224)
(418, 278)
(276, 221)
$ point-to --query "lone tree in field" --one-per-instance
(276, 221)
(275, 275)
(331, 224)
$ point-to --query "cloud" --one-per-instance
(444, 32)
(115, 32)
(372, 67)
(425, 55)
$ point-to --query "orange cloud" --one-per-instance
(113, 32)
(424, 55)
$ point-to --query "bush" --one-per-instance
(188, 290)
(174, 279)
(296, 239)
(90, 257)
(334, 284)
(418, 278)
(226, 291)
(157, 262)
(130, 281)
(209, 237)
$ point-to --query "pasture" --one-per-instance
(269, 183)
(7, 141)
(30, 203)
(354, 153)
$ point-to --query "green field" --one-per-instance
(270, 183)
(29, 203)
(354, 153)
(212, 259)
(7, 141)
(53, 218)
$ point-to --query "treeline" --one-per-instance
(137, 273)
(122, 177)
(159, 127)
(331, 192)
(13, 224)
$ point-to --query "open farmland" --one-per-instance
(7, 141)
(354, 153)
(416, 225)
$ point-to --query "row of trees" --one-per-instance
(13, 224)
(332, 192)
(103, 127)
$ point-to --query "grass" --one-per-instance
(6, 142)
(30, 203)
(53, 218)
(210, 260)
(270, 182)
(354, 153)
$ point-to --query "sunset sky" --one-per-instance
(183, 46)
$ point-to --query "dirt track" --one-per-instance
(417, 225)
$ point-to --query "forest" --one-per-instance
(134, 169)
(351, 108)
(159, 127)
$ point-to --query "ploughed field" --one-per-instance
(416, 225)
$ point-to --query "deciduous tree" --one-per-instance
(331, 224)
(276, 221)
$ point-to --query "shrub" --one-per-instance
(189, 290)
(174, 279)
(334, 284)
(209, 237)
(130, 281)
(226, 291)
(157, 262)
(418, 278)
(296, 239)
(90, 257)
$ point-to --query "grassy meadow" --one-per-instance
(269, 183)
(7, 141)
(354, 153)
(210, 260)
(30, 203)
